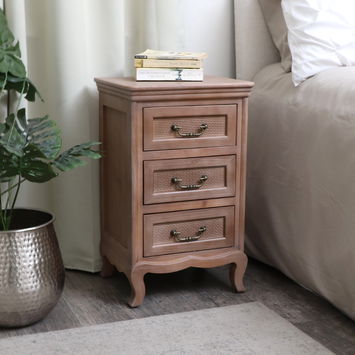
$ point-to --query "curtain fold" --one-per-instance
(66, 43)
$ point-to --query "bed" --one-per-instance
(300, 209)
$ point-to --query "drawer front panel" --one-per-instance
(189, 179)
(190, 126)
(186, 231)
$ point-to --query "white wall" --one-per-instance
(185, 25)
(207, 25)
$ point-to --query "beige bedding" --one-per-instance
(301, 180)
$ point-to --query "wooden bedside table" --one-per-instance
(172, 177)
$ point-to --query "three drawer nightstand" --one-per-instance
(172, 177)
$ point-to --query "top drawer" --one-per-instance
(190, 126)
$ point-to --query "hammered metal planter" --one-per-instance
(31, 269)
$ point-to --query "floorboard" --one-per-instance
(89, 299)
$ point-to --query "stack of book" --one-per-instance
(153, 65)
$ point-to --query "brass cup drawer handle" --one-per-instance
(199, 132)
(178, 184)
(174, 233)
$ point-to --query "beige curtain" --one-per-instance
(67, 43)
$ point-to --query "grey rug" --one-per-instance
(245, 329)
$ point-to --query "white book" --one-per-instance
(169, 74)
(156, 54)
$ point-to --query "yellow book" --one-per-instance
(168, 63)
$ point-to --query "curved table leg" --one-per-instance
(236, 272)
(138, 288)
(236, 258)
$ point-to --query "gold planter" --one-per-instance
(31, 269)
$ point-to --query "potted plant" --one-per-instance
(31, 267)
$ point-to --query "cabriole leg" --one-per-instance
(236, 272)
(138, 289)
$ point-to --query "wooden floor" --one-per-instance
(88, 299)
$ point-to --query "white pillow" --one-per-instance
(321, 35)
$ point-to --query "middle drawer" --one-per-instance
(189, 179)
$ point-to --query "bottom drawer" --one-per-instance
(184, 231)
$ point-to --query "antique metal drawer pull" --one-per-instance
(178, 181)
(199, 132)
(174, 233)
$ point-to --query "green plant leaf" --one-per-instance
(45, 135)
(31, 152)
(12, 69)
(67, 162)
(10, 54)
(32, 91)
(10, 61)
(9, 165)
(3, 81)
(70, 158)
(37, 171)
(12, 137)
(23, 85)
(84, 148)
(33, 166)
(29, 148)
(6, 36)
(2, 129)
(21, 115)
(36, 125)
